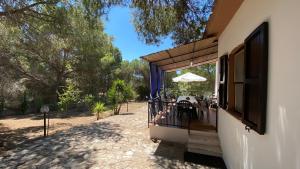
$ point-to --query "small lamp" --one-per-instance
(45, 109)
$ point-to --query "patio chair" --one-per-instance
(185, 106)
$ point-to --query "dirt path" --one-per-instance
(15, 130)
(120, 141)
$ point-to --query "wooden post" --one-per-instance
(127, 106)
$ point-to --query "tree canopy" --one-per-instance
(42, 57)
(183, 20)
(56, 51)
(206, 88)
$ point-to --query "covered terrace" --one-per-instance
(187, 112)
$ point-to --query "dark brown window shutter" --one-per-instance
(223, 81)
(256, 73)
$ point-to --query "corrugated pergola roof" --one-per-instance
(180, 57)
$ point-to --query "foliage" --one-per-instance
(206, 88)
(41, 56)
(38, 103)
(24, 105)
(2, 102)
(22, 10)
(119, 93)
(136, 74)
(88, 100)
(47, 44)
(69, 97)
(184, 20)
(98, 108)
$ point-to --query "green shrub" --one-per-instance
(24, 105)
(1, 104)
(88, 101)
(98, 108)
(69, 97)
(38, 102)
(119, 92)
(142, 91)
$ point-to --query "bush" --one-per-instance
(143, 92)
(119, 93)
(1, 104)
(24, 105)
(98, 108)
(38, 103)
(69, 97)
(88, 101)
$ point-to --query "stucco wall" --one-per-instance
(171, 134)
(280, 146)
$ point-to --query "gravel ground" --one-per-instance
(120, 141)
(15, 130)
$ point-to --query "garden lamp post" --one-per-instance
(45, 109)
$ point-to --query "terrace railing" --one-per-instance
(165, 113)
(172, 114)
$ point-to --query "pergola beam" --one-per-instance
(207, 52)
(194, 65)
(197, 60)
(209, 47)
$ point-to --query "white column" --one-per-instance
(217, 79)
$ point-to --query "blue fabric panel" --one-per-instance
(153, 80)
(160, 81)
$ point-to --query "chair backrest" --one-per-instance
(185, 104)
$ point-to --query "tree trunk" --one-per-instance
(117, 109)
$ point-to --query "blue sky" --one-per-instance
(119, 25)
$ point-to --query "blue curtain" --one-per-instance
(160, 81)
(153, 80)
(156, 80)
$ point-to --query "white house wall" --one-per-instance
(280, 146)
(170, 134)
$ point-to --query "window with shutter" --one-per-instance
(255, 79)
(239, 81)
(223, 81)
(236, 81)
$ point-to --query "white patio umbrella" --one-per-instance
(189, 77)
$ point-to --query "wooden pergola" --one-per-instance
(185, 56)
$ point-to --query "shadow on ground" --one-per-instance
(9, 139)
(62, 115)
(124, 114)
(169, 155)
(72, 146)
(53, 115)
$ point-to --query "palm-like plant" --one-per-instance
(98, 108)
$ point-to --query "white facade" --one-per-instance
(280, 146)
(170, 134)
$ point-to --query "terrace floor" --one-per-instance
(120, 141)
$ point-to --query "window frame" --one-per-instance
(232, 83)
(223, 82)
